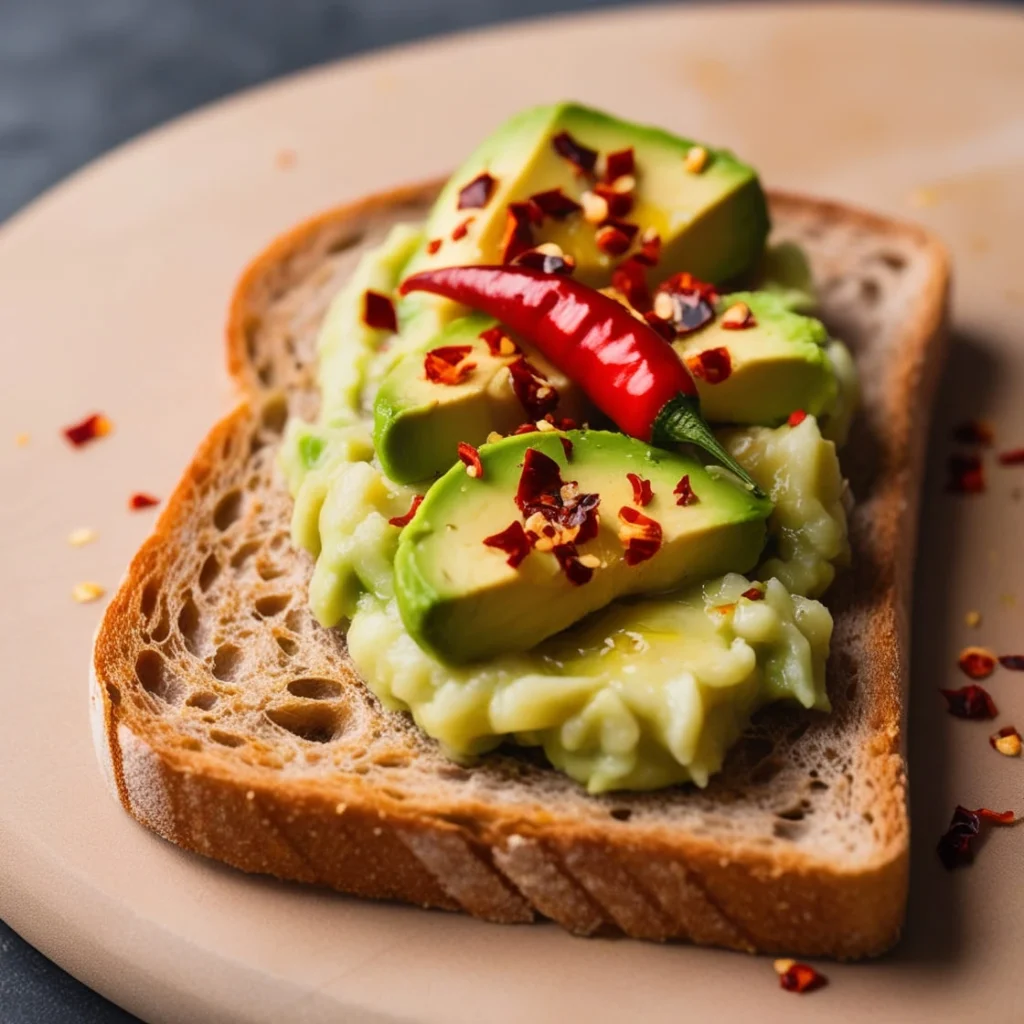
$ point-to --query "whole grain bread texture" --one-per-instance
(229, 722)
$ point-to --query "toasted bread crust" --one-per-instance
(498, 861)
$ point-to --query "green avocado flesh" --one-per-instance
(418, 423)
(712, 223)
(461, 601)
(777, 366)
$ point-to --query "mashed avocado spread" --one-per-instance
(650, 689)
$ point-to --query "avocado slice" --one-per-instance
(712, 222)
(778, 365)
(461, 600)
(418, 423)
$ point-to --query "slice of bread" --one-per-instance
(230, 723)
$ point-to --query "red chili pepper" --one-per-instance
(622, 364)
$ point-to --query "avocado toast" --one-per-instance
(234, 725)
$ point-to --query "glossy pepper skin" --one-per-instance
(624, 366)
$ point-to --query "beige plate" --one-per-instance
(112, 295)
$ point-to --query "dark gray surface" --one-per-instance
(80, 76)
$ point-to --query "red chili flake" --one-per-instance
(684, 492)
(662, 327)
(525, 428)
(92, 427)
(532, 389)
(689, 303)
(738, 317)
(404, 520)
(977, 662)
(448, 364)
(433, 246)
(642, 490)
(753, 594)
(616, 164)
(971, 701)
(630, 278)
(615, 237)
(796, 417)
(569, 562)
(954, 847)
(555, 203)
(541, 489)
(477, 194)
(640, 535)
(619, 204)
(712, 365)
(518, 237)
(379, 312)
(1007, 741)
(966, 474)
(799, 977)
(1014, 457)
(580, 156)
(546, 262)
(470, 458)
(974, 432)
(461, 229)
(498, 342)
(1014, 662)
(513, 541)
(140, 500)
(650, 249)
(566, 447)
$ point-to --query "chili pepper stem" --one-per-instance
(680, 422)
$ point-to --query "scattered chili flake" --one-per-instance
(547, 258)
(685, 301)
(139, 500)
(630, 278)
(753, 594)
(581, 157)
(84, 593)
(555, 203)
(498, 342)
(738, 317)
(576, 572)
(513, 541)
(1007, 741)
(954, 847)
(379, 312)
(798, 977)
(712, 365)
(618, 202)
(541, 489)
(448, 364)
(684, 492)
(566, 447)
(1013, 457)
(532, 389)
(650, 248)
(433, 246)
(519, 225)
(595, 208)
(970, 701)
(461, 229)
(525, 428)
(977, 662)
(615, 237)
(470, 457)
(82, 536)
(643, 493)
(974, 432)
(696, 159)
(661, 327)
(640, 535)
(92, 427)
(619, 163)
(406, 519)
(796, 417)
(477, 194)
(1014, 662)
(966, 474)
